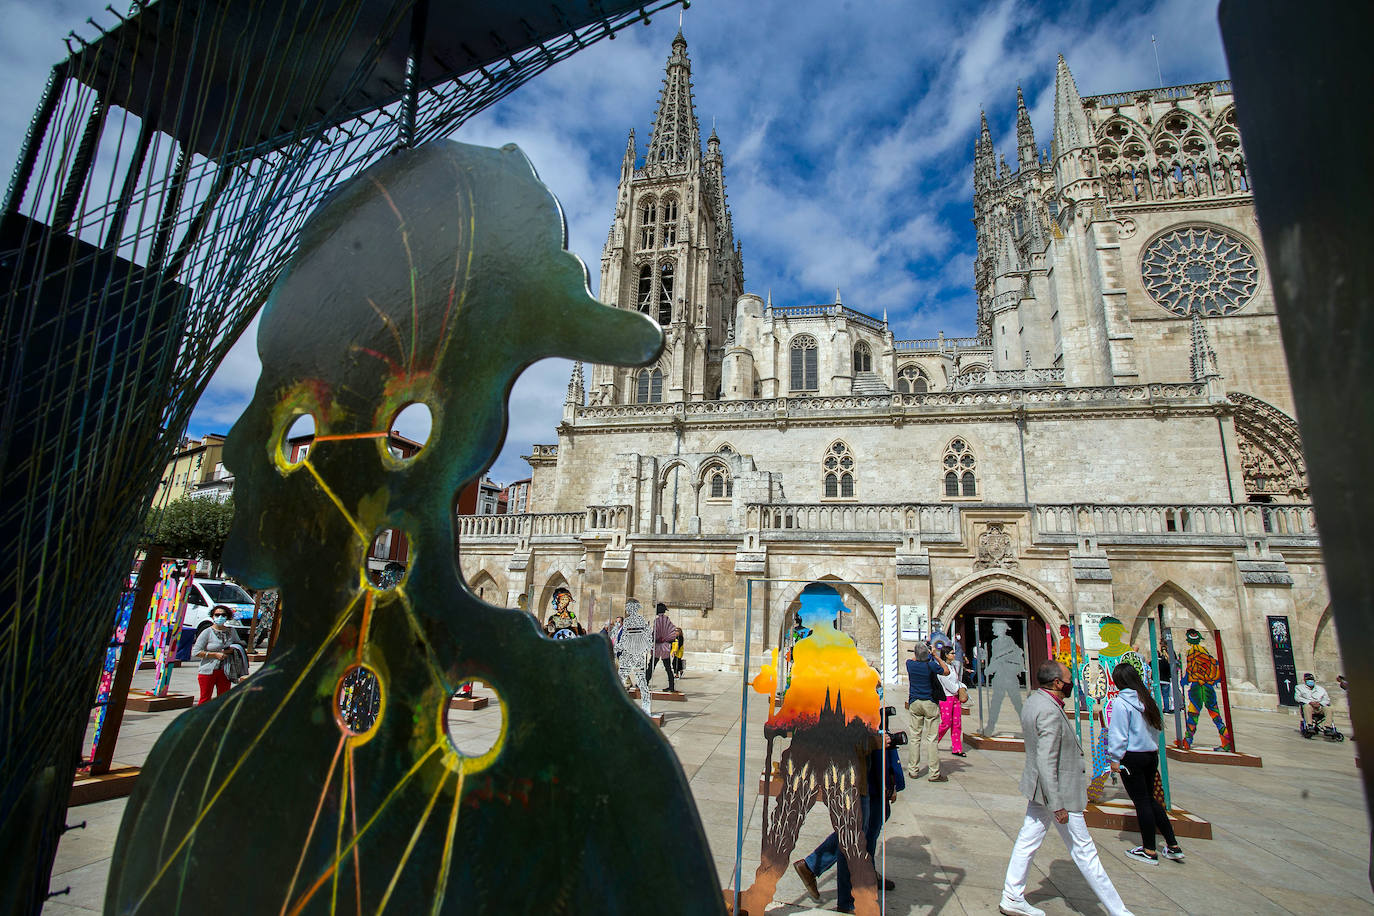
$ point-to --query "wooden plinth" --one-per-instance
(257, 656)
(1225, 758)
(1120, 815)
(469, 703)
(674, 696)
(772, 788)
(117, 783)
(657, 717)
(142, 702)
(150, 664)
(984, 743)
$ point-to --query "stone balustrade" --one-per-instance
(1009, 378)
(1189, 519)
(867, 517)
(609, 518)
(1023, 392)
(517, 527)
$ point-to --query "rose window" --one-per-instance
(1200, 269)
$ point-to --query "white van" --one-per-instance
(204, 594)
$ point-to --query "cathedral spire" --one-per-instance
(1070, 121)
(1204, 359)
(1025, 134)
(676, 140)
(984, 159)
(576, 387)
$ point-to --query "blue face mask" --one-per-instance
(1310, 683)
(221, 619)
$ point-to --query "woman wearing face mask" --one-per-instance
(1133, 749)
(212, 648)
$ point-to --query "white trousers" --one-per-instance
(1081, 849)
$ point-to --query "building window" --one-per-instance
(665, 293)
(911, 380)
(649, 387)
(646, 288)
(1200, 269)
(959, 469)
(670, 221)
(839, 472)
(648, 219)
(863, 358)
(804, 363)
(719, 483)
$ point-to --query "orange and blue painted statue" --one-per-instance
(831, 710)
(1201, 676)
(434, 276)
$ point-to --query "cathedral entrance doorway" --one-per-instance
(974, 627)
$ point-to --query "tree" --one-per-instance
(192, 527)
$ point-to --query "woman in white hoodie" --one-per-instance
(1133, 749)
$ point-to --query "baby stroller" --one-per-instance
(1327, 730)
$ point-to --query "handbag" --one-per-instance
(962, 694)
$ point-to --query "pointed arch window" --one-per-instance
(718, 483)
(960, 468)
(911, 380)
(669, 215)
(838, 471)
(665, 293)
(863, 357)
(648, 222)
(645, 295)
(649, 387)
(804, 354)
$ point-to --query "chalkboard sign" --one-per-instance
(1285, 670)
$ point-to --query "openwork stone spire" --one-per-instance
(576, 387)
(1070, 121)
(676, 139)
(1025, 134)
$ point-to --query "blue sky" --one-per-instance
(847, 131)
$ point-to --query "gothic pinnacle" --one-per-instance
(1025, 134)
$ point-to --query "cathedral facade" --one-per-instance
(1117, 439)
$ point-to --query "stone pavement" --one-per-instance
(1291, 837)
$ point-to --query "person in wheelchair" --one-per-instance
(1313, 701)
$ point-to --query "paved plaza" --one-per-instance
(1291, 837)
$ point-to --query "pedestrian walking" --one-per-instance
(1133, 749)
(679, 649)
(952, 706)
(664, 633)
(212, 648)
(1055, 783)
(923, 702)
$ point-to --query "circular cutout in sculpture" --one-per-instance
(414, 422)
(297, 439)
(1200, 269)
(476, 720)
(358, 700)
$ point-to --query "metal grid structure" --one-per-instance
(166, 172)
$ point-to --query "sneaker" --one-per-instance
(959, 753)
(1141, 854)
(889, 884)
(1174, 852)
(1009, 907)
(808, 880)
(913, 772)
(941, 778)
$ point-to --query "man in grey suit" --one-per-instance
(1055, 781)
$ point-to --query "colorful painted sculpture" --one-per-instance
(169, 610)
(120, 636)
(1201, 677)
(1063, 652)
(831, 712)
(1115, 651)
(562, 621)
(433, 276)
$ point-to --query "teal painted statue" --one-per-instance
(434, 276)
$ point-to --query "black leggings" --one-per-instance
(1138, 770)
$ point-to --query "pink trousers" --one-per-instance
(951, 720)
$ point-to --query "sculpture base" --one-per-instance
(144, 702)
(1120, 815)
(117, 783)
(256, 657)
(468, 703)
(1001, 743)
(150, 664)
(772, 788)
(657, 717)
(672, 696)
(1201, 755)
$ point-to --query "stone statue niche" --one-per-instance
(434, 276)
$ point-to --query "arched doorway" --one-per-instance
(973, 626)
